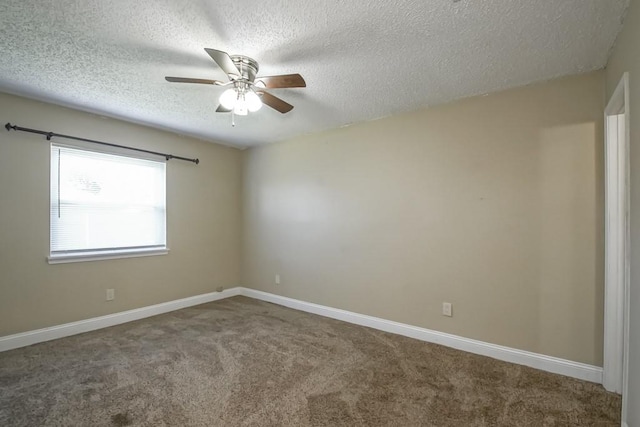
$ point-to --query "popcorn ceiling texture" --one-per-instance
(362, 60)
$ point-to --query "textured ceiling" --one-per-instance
(361, 59)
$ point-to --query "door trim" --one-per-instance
(617, 237)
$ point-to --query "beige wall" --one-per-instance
(203, 204)
(494, 204)
(626, 58)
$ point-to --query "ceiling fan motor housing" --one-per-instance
(248, 67)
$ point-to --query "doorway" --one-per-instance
(616, 313)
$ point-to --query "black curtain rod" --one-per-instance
(50, 135)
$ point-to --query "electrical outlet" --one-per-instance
(277, 280)
(447, 309)
(111, 294)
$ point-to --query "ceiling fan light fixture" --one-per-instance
(241, 107)
(254, 103)
(228, 99)
(240, 102)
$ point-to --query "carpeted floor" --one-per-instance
(241, 362)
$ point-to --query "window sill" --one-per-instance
(98, 256)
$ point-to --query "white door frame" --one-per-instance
(616, 313)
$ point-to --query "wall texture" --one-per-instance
(626, 58)
(203, 204)
(494, 204)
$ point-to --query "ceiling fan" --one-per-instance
(247, 93)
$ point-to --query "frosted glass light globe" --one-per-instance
(228, 99)
(254, 103)
(241, 107)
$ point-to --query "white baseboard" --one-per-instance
(24, 339)
(539, 361)
(546, 363)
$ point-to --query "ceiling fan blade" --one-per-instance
(224, 61)
(222, 109)
(189, 80)
(283, 81)
(274, 102)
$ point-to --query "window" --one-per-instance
(105, 205)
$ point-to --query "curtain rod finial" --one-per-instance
(9, 127)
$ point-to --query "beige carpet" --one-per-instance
(240, 362)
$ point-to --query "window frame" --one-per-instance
(82, 255)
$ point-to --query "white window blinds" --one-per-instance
(102, 203)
